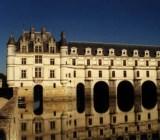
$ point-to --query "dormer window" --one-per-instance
(73, 50)
(52, 50)
(135, 53)
(146, 53)
(157, 53)
(111, 52)
(24, 49)
(124, 52)
(99, 51)
(88, 51)
(38, 39)
(38, 48)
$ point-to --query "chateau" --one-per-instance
(60, 90)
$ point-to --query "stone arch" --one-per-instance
(101, 97)
(2, 135)
(125, 96)
(149, 94)
(38, 100)
(80, 98)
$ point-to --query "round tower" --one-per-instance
(11, 47)
(63, 58)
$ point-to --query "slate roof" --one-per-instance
(117, 47)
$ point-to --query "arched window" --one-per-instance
(38, 100)
(113, 74)
(80, 98)
(89, 74)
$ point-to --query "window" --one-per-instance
(149, 116)
(23, 126)
(90, 121)
(74, 62)
(23, 74)
(24, 49)
(54, 85)
(101, 120)
(158, 63)
(75, 123)
(147, 63)
(113, 131)
(89, 133)
(38, 72)
(52, 61)
(74, 134)
(101, 132)
(137, 74)
(89, 74)
(38, 138)
(113, 73)
(52, 73)
(54, 113)
(100, 74)
(52, 125)
(21, 84)
(136, 63)
(99, 62)
(23, 138)
(38, 49)
(124, 74)
(38, 127)
(137, 127)
(114, 119)
(126, 118)
(149, 126)
(112, 62)
(124, 62)
(88, 62)
(147, 73)
(23, 61)
(53, 137)
(139, 117)
(38, 59)
(74, 74)
(126, 129)
(51, 49)
(21, 102)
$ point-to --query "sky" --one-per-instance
(110, 21)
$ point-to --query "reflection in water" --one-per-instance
(2, 135)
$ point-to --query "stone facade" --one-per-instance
(81, 90)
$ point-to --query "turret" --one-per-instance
(11, 48)
(63, 58)
(63, 45)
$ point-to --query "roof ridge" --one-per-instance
(116, 43)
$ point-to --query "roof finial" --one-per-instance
(32, 29)
(11, 39)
